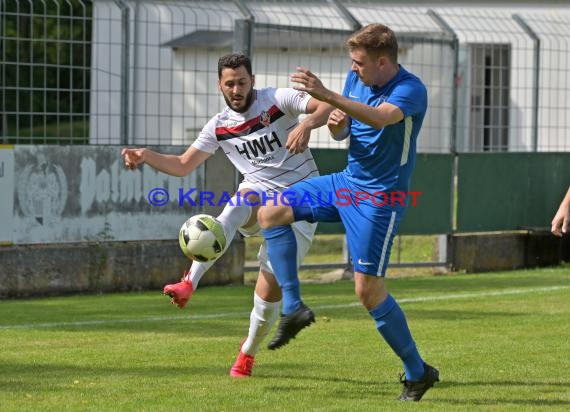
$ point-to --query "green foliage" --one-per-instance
(46, 66)
(500, 341)
(76, 132)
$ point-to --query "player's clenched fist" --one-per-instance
(338, 124)
(133, 157)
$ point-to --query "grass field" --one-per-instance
(500, 340)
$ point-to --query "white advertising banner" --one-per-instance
(6, 192)
(83, 193)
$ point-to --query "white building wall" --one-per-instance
(554, 84)
(158, 78)
(432, 62)
(173, 92)
(165, 83)
(105, 103)
(483, 26)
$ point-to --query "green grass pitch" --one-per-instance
(500, 340)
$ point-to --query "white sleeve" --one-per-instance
(206, 140)
(291, 101)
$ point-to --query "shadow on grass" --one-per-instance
(440, 314)
(514, 385)
(20, 377)
(497, 402)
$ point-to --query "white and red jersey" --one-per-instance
(254, 141)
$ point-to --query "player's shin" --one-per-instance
(263, 316)
(282, 252)
(392, 325)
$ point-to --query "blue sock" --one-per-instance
(392, 325)
(282, 251)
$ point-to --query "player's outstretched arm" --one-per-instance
(378, 117)
(170, 164)
(561, 219)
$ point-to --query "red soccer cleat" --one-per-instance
(179, 292)
(243, 364)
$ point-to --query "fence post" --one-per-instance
(453, 143)
(242, 36)
(536, 57)
(353, 21)
(243, 39)
(3, 116)
(243, 31)
(125, 60)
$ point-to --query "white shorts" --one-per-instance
(304, 233)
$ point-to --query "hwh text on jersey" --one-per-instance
(260, 146)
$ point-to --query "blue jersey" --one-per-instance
(383, 159)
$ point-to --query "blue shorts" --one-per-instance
(370, 227)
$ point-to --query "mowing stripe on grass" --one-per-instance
(519, 291)
(459, 296)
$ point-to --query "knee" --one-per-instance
(362, 293)
(264, 217)
(370, 290)
(270, 216)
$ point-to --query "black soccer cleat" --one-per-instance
(414, 390)
(291, 325)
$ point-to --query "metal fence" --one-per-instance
(45, 71)
(144, 72)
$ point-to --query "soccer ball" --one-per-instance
(202, 238)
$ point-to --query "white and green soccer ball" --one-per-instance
(202, 238)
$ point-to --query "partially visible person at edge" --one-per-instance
(266, 118)
(382, 108)
(561, 219)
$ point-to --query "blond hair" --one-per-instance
(376, 39)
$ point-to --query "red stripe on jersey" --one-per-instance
(249, 126)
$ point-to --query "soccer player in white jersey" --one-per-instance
(259, 131)
(382, 108)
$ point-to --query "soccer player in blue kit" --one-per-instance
(382, 108)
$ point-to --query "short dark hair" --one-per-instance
(233, 61)
(376, 39)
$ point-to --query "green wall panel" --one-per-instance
(330, 161)
(510, 191)
(432, 177)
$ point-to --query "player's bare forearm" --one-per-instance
(319, 116)
(561, 220)
(566, 201)
(166, 163)
(170, 164)
(377, 117)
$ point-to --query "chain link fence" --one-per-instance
(45, 50)
(144, 72)
(119, 72)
